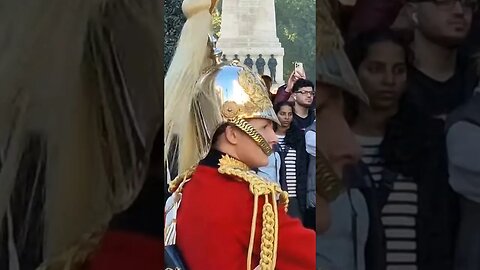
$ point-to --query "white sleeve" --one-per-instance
(463, 145)
(277, 169)
(311, 142)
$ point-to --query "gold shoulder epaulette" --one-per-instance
(181, 178)
(258, 185)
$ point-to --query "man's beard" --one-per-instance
(306, 106)
(444, 41)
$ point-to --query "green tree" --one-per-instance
(296, 31)
(173, 23)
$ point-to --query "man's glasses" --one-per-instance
(303, 92)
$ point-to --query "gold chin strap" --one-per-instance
(329, 185)
(259, 187)
(253, 133)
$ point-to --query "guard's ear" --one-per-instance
(232, 134)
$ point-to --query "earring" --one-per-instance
(415, 18)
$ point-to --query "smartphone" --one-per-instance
(299, 68)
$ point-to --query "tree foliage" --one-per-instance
(296, 31)
(173, 23)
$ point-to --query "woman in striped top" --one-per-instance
(380, 59)
(294, 162)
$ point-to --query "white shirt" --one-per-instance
(290, 167)
(463, 144)
(311, 142)
(271, 172)
(399, 214)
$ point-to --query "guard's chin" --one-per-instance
(264, 161)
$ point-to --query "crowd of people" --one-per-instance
(292, 164)
(412, 201)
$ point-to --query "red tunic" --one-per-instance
(126, 251)
(213, 232)
(214, 222)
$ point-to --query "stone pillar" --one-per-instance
(249, 27)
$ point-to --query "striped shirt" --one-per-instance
(399, 214)
(290, 162)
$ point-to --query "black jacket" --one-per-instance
(414, 146)
(295, 138)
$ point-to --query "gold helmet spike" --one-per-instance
(223, 93)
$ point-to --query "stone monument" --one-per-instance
(249, 27)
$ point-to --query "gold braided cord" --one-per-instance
(259, 187)
(275, 246)
(253, 133)
(268, 236)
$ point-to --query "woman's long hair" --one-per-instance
(405, 136)
(293, 135)
(357, 50)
